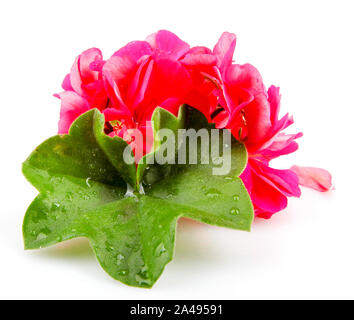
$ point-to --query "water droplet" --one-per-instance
(236, 197)
(120, 258)
(234, 211)
(41, 236)
(57, 204)
(228, 178)
(142, 276)
(142, 280)
(43, 233)
(160, 250)
(87, 182)
(122, 272)
(212, 192)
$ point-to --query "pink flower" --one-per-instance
(84, 88)
(251, 114)
(268, 187)
(162, 71)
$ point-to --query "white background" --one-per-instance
(305, 47)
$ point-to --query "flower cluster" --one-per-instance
(164, 71)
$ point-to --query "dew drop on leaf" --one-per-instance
(122, 272)
(41, 236)
(212, 192)
(57, 204)
(160, 250)
(142, 277)
(234, 211)
(87, 182)
(120, 258)
(142, 280)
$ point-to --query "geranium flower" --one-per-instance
(84, 88)
(162, 71)
(251, 114)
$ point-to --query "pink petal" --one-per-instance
(221, 119)
(257, 114)
(117, 73)
(284, 181)
(282, 144)
(171, 104)
(95, 94)
(97, 65)
(66, 85)
(72, 106)
(274, 101)
(81, 72)
(139, 84)
(86, 58)
(151, 40)
(167, 43)
(199, 50)
(266, 199)
(135, 50)
(115, 114)
(315, 178)
(224, 50)
(245, 76)
(200, 59)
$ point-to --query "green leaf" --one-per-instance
(161, 119)
(83, 179)
(214, 199)
(86, 153)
